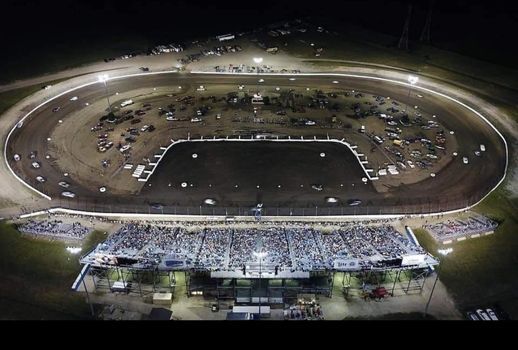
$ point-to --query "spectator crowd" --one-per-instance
(461, 227)
(289, 246)
(55, 229)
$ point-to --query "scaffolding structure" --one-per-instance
(132, 280)
(142, 282)
(396, 281)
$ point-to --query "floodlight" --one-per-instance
(412, 79)
(102, 78)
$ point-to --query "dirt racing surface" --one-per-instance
(60, 136)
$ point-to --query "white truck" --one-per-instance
(126, 103)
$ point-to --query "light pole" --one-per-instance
(103, 78)
(433, 288)
(260, 256)
(412, 79)
(258, 61)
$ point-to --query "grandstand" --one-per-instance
(55, 229)
(288, 248)
(222, 260)
(460, 229)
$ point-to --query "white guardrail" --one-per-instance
(288, 75)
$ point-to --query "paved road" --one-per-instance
(455, 186)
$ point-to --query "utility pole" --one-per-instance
(425, 34)
(403, 41)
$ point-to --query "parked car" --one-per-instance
(126, 103)
(209, 201)
(354, 202)
(68, 194)
(473, 317)
(64, 184)
(40, 179)
(317, 187)
(492, 315)
(483, 315)
(36, 165)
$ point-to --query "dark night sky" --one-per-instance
(471, 27)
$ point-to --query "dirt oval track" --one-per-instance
(267, 164)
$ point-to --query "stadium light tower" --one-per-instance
(258, 61)
(260, 256)
(103, 78)
(412, 79)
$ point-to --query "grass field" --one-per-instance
(67, 56)
(37, 275)
(482, 271)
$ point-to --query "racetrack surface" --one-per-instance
(455, 186)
